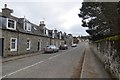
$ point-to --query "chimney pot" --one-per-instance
(5, 5)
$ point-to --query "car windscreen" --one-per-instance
(51, 46)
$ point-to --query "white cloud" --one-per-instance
(60, 15)
(42, 0)
(70, 18)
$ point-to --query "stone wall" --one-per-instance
(109, 54)
(57, 42)
(7, 35)
(22, 42)
(22, 45)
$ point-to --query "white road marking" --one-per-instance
(21, 69)
(81, 76)
(50, 58)
(35, 64)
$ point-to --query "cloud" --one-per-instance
(71, 18)
(41, 0)
(78, 30)
(62, 15)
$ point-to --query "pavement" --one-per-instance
(92, 66)
(20, 56)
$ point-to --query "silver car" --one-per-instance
(51, 48)
(74, 45)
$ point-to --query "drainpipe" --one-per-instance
(17, 37)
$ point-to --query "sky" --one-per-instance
(57, 14)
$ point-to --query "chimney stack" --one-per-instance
(6, 11)
(42, 23)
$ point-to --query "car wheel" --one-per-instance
(53, 51)
(44, 52)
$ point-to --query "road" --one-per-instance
(56, 65)
(76, 62)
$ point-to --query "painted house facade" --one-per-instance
(20, 36)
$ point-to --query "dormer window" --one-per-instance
(27, 26)
(11, 24)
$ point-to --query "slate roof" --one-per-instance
(35, 29)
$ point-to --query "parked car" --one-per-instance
(74, 45)
(63, 47)
(51, 48)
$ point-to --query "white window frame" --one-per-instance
(46, 32)
(15, 49)
(29, 44)
(14, 24)
(28, 26)
(53, 34)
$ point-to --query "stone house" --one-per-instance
(76, 40)
(1, 48)
(20, 36)
(69, 39)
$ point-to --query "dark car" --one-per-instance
(51, 48)
(63, 47)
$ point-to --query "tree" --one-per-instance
(101, 18)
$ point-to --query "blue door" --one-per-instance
(1, 46)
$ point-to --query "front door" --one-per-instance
(39, 46)
(1, 46)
